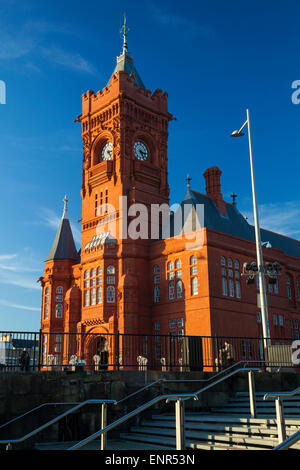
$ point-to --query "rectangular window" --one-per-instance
(280, 320)
(224, 286)
(59, 298)
(110, 279)
(86, 299)
(179, 274)
(57, 348)
(276, 287)
(170, 276)
(157, 326)
(194, 282)
(275, 319)
(157, 279)
(93, 296)
(156, 293)
(258, 317)
(194, 271)
(296, 324)
(231, 288)
(99, 295)
(172, 324)
(180, 322)
(238, 289)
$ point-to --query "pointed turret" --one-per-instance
(125, 61)
(63, 246)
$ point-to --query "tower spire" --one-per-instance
(124, 31)
(65, 212)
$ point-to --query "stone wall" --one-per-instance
(20, 392)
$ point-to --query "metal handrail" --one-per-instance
(282, 394)
(54, 420)
(285, 445)
(37, 408)
(281, 428)
(176, 397)
(122, 399)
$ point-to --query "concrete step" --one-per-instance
(112, 444)
(168, 436)
(291, 412)
(217, 427)
(210, 417)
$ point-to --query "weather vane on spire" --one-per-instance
(124, 31)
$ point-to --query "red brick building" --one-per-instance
(161, 284)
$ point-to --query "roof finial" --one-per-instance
(65, 212)
(125, 31)
(188, 179)
(234, 196)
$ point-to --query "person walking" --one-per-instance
(227, 355)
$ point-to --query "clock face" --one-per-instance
(140, 151)
(107, 151)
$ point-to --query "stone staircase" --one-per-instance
(228, 427)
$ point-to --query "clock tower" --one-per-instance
(124, 133)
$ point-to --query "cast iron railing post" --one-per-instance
(40, 349)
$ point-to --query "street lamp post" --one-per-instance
(260, 265)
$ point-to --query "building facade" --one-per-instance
(187, 282)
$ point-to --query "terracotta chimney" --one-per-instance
(213, 188)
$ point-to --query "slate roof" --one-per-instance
(235, 224)
(125, 64)
(63, 246)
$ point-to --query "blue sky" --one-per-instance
(214, 59)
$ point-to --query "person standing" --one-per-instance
(24, 361)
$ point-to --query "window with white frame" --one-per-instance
(193, 260)
(178, 264)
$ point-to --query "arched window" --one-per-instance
(193, 260)
(93, 273)
(156, 269)
(171, 290)
(99, 271)
(177, 264)
(47, 291)
(86, 274)
(59, 290)
(110, 270)
(170, 265)
(179, 289)
(236, 264)
(59, 310)
(110, 294)
(194, 286)
(229, 262)
(223, 261)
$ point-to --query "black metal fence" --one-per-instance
(93, 351)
